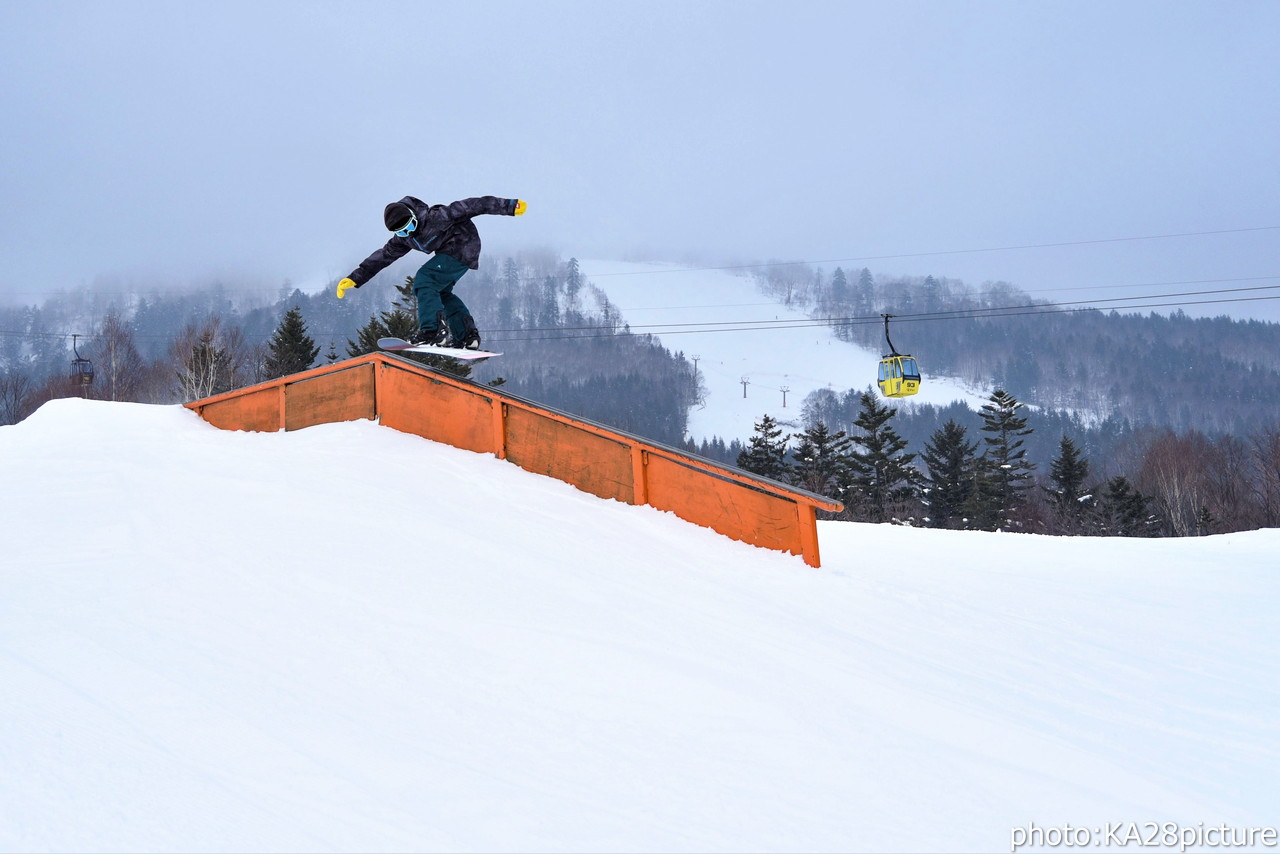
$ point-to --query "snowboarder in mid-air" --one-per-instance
(447, 233)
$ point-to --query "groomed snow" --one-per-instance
(228, 641)
(663, 297)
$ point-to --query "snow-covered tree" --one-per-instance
(1006, 472)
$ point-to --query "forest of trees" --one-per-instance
(1114, 423)
(975, 473)
(565, 345)
(1181, 414)
(1216, 375)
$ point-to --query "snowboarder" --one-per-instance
(447, 234)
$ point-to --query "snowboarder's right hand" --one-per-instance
(519, 209)
(344, 286)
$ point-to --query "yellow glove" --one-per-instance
(520, 206)
(344, 286)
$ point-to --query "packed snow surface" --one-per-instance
(351, 639)
(738, 333)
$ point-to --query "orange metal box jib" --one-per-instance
(600, 460)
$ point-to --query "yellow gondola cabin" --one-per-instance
(899, 374)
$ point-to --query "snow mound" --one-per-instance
(349, 638)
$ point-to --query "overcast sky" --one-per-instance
(188, 141)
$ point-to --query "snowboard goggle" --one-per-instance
(408, 227)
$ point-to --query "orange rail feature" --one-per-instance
(610, 463)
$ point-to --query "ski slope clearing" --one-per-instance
(239, 642)
(800, 359)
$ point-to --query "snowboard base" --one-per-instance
(399, 345)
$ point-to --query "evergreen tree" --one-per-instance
(882, 480)
(573, 282)
(291, 350)
(932, 294)
(401, 321)
(839, 288)
(367, 337)
(983, 510)
(841, 301)
(1006, 470)
(1121, 511)
(766, 451)
(864, 295)
(549, 308)
(511, 275)
(1067, 472)
(1205, 522)
(821, 458)
(951, 462)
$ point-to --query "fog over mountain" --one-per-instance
(148, 141)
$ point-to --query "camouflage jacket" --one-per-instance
(446, 229)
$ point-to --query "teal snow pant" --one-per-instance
(433, 287)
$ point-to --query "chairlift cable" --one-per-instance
(989, 312)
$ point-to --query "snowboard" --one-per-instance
(399, 345)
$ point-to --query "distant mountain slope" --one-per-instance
(564, 327)
(1217, 375)
(728, 325)
(564, 344)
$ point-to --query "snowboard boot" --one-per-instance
(471, 337)
(440, 336)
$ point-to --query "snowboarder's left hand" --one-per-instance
(520, 206)
(344, 286)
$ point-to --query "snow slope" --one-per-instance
(800, 359)
(228, 641)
